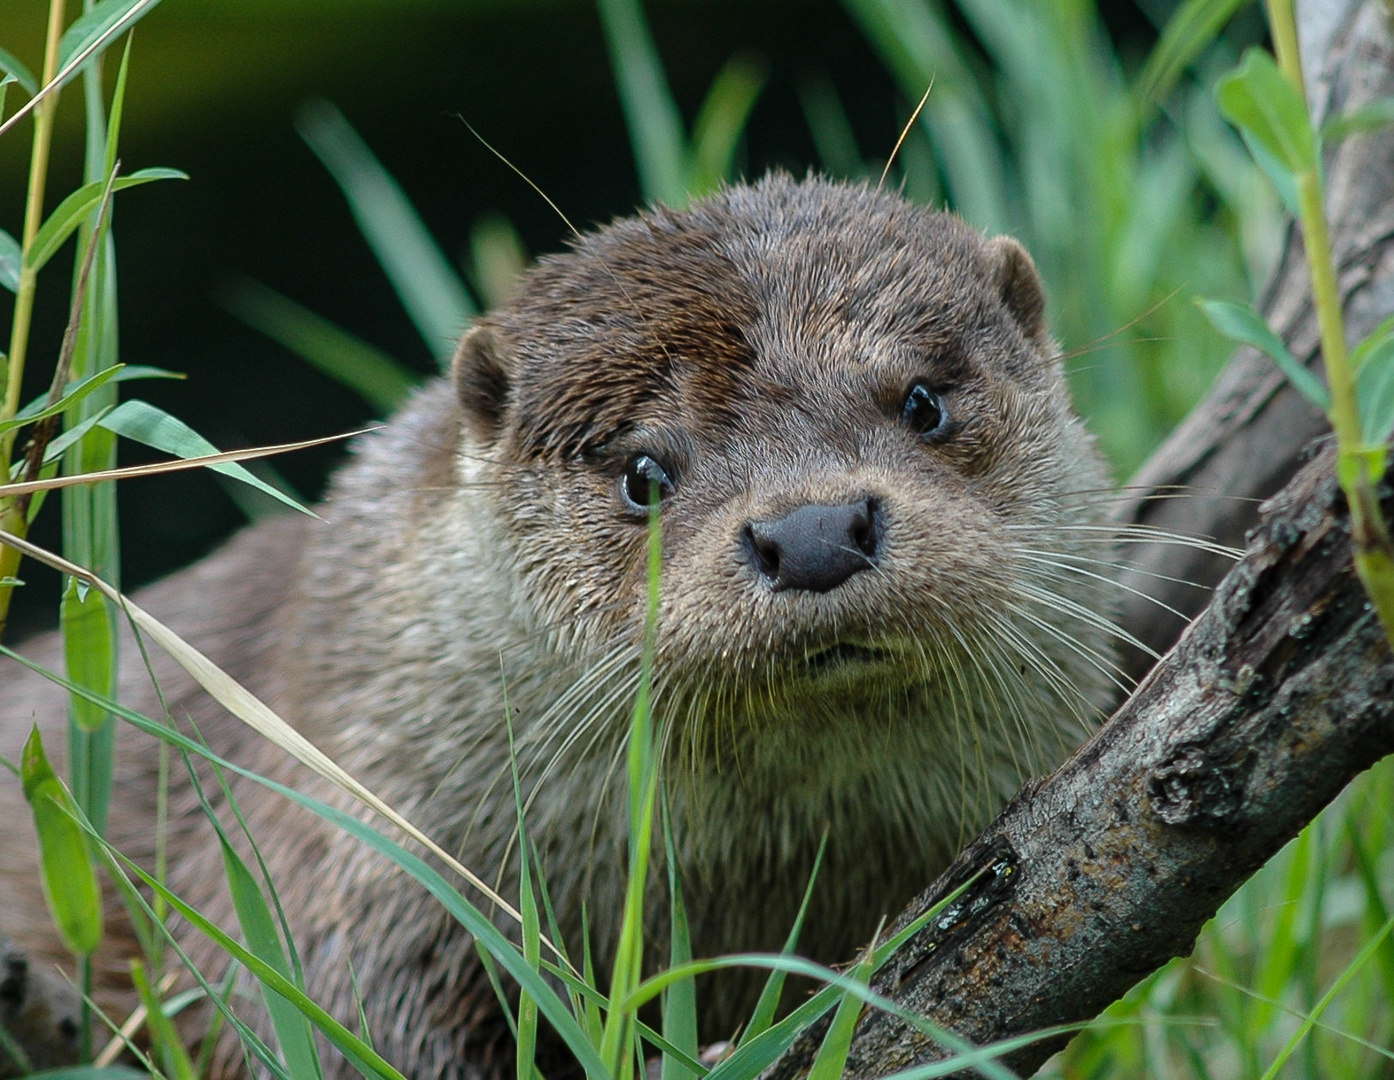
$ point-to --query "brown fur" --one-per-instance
(761, 345)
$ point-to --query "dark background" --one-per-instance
(214, 88)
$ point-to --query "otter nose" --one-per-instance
(815, 547)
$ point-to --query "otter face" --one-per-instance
(856, 429)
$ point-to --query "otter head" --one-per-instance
(871, 487)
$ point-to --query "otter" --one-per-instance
(880, 606)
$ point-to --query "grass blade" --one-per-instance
(1370, 949)
(721, 122)
(363, 1057)
(259, 932)
(1189, 32)
(525, 1034)
(832, 1054)
(497, 258)
(474, 920)
(174, 1059)
(72, 211)
(253, 712)
(916, 43)
(765, 1007)
(155, 468)
(11, 65)
(532, 956)
(369, 372)
(89, 650)
(150, 426)
(1375, 907)
(429, 289)
(655, 126)
(91, 30)
(38, 409)
(680, 998)
(68, 876)
(82, 52)
(831, 129)
(11, 259)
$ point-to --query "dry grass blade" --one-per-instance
(119, 26)
(123, 1038)
(154, 468)
(45, 429)
(904, 133)
(521, 175)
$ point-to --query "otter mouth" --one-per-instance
(843, 655)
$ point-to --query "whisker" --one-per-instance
(1108, 668)
(1133, 534)
(1053, 601)
(1062, 558)
(1053, 572)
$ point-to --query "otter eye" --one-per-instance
(924, 411)
(642, 477)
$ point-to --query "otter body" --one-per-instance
(874, 616)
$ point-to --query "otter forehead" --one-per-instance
(851, 263)
(755, 299)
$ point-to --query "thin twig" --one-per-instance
(46, 428)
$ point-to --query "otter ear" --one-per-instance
(1018, 285)
(483, 377)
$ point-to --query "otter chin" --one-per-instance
(882, 605)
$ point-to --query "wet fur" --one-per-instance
(762, 344)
